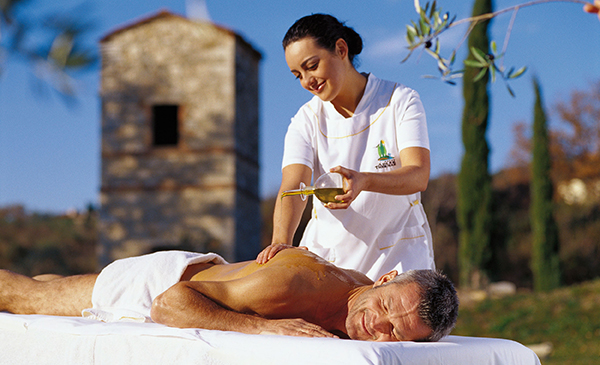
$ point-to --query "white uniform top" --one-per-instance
(377, 233)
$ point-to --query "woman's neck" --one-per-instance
(347, 101)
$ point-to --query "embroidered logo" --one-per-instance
(387, 160)
(382, 151)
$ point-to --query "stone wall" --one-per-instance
(201, 194)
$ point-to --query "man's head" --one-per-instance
(418, 305)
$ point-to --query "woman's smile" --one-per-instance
(319, 87)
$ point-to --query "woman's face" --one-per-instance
(320, 71)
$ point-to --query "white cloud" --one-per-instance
(392, 46)
(395, 44)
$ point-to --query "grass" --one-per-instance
(568, 318)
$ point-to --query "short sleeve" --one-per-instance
(412, 122)
(299, 147)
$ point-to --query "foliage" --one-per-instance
(433, 22)
(545, 250)
(579, 140)
(574, 139)
(33, 244)
(567, 318)
(511, 242)
(53, 45)
(474, 213)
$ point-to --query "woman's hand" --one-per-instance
(270, 251)
(353, 185)
(412, 177)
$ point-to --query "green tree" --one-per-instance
(53, 44)
(544, 258)
(474, 208)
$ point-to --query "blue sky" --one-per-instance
(50, 152)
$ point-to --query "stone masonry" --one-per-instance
(179, 140)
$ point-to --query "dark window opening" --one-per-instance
(165, 125)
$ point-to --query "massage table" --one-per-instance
(39, 339)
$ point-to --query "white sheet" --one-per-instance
(69, 340)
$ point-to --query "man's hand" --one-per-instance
(294, 327)
(270, 251)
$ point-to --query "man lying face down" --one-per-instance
(295, 293)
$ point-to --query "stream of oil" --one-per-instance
(326, 195)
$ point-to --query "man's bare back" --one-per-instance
(294, 284)
(303, 262)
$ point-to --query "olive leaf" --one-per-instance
(432, 22)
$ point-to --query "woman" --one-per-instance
(371, 131)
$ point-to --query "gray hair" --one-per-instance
(439, 302)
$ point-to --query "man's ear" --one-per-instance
(385, 278)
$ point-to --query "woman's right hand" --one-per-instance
(270, 251)
(353, 185)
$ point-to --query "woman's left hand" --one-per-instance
(353, 185)
(270, 251)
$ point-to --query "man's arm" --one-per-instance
(189, 304)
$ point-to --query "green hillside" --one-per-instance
(568, 318)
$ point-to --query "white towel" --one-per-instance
(125, 289)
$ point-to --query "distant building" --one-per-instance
(579, 192)
(180, 133)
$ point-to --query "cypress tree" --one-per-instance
(544, 258)
(474, 207)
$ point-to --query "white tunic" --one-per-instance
(378, 232)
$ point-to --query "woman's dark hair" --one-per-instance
(325, 30)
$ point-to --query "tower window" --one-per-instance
(165, 125)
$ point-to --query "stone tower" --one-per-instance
(179, 140)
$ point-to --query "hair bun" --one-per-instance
(355, 43)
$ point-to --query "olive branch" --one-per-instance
(433, 22)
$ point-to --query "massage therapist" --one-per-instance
(371, 131)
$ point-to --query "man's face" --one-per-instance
(387, 313)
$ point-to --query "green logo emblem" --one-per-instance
(382, 151)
